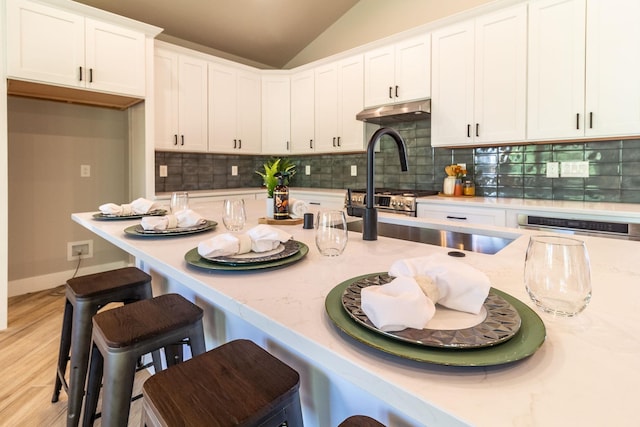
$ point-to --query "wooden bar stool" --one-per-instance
(360, 421)
(236, 384)
(121, 336)
(86, 295)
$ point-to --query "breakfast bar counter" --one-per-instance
(585, 373)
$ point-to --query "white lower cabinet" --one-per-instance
(463, 214)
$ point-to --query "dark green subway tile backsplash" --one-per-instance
(506, 171)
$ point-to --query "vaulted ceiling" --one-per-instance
(269, 32)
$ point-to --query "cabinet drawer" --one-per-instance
(463, 214)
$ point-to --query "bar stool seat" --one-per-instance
(360, 421)
(235, 384)
(86, 295)
(121, 336)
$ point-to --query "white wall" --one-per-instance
(3, 175)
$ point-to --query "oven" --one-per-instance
(589, 227)
(400, 201)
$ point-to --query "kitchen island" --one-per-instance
(584, 374)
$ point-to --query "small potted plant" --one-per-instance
(270, 180)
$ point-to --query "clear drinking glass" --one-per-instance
(331, 232)
(234, 215)
(179, 201)
(557, 274)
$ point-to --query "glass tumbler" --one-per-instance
(233, 214)
(179, 201)
(557, 274)
(331, 232)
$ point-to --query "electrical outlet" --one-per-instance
(307, 170)
(234, 170)
(574, 169)
(163, 171)
(79, 250)
(553, 169)
(85, 171)
(354, 170)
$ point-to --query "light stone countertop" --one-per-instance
(586, 373)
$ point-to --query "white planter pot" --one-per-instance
(269, 201)
(449, 185)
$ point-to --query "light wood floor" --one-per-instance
(28, 357)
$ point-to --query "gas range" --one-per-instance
(387, 200)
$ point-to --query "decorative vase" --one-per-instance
(449, 185)
(269, 207)
(457, 189)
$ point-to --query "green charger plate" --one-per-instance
(193, 258)
(138, 231)
(523, 344)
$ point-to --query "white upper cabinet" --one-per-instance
(613, 68)
(180, 93)
(54, 46)
(234, 110)
(276, 114)
(339, 96)
(556, 69)
(584, 64)
(302, 112)
(479, 80)
(398, 73)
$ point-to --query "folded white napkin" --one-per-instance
(265, 237)
(297, 208)
(397, 305)
(139, 206)
(459, 286)
(182, 219)
(224, 245)
(260, 238)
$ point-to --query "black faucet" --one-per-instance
(370, 215)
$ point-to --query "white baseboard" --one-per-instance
(49, 281)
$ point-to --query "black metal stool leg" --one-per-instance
(65, 346)
(93, 387)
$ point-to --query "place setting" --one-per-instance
(137, 209)
(438, 310)
(260, 247)
(181, 221)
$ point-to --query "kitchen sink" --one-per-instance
(445, 238)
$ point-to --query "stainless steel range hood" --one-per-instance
(394, 113)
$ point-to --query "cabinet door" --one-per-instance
(613, 68)
(379, 77)
(556, 69)
(350, 103)
(276, 114)
(413, 69)
(463, 214)
(45, 44)
(192, 102)
(165, 90)
(249, 112)
(115, 59)
(223, 108)
(327, 108)
(302, 112)
(500, 76)
(452, 85)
